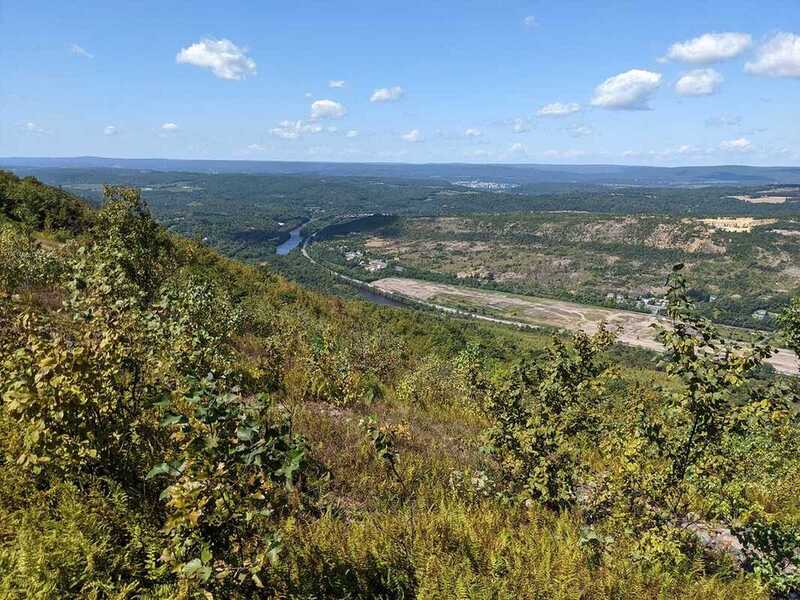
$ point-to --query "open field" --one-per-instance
(635, 329)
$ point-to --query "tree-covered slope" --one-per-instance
(32, 203)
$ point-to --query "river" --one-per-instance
(295, 239)
(293, 242)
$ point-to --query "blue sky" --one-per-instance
(575, 81)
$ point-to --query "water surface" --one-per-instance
(293, 242)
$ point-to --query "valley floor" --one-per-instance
(635, 329)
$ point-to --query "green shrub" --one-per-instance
(23, 262)
(540, 415)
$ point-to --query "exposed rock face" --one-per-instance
(704, 246)
(477, 273)
(718, 539)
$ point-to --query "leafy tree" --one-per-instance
(83, 393)
(790, 325)
(235, 470)
(128, 239)
(681, 455)
(540, 413)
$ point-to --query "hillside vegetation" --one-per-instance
(175, 424)
(738, 265)
(39, 206)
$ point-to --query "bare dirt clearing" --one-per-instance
(762, 199)
(737, 224)
(636, 329)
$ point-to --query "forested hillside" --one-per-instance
(175, 424)
(737, 266)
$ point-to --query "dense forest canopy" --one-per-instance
(174, 423)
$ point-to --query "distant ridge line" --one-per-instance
(520, 173)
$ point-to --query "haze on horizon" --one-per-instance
(577, 82)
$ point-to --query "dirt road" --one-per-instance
(636, 329)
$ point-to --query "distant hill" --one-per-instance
(504, 173)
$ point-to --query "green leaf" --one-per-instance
(246, 433)
(162, 469)
(172, 468)
(293, 460)
(191, 567)
(172, 420)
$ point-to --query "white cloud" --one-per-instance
(685, 150)
(784, 153)
(520, 125)
(777, 57)
(256, 148)
(412, 136)
(336, 83)
(110, 130)
(558, 109)
(286, 131)
(478, 153)
(710, 48)
(681, 152)
(529, 22)
(225, 59)
(699, 82)
(352, 133)
(78, 51)
(630, 90)
(292, 130)
(327, 109)
(472, 132)
(170, 127)
(738, 145)
(308, 95)
(391, 94)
